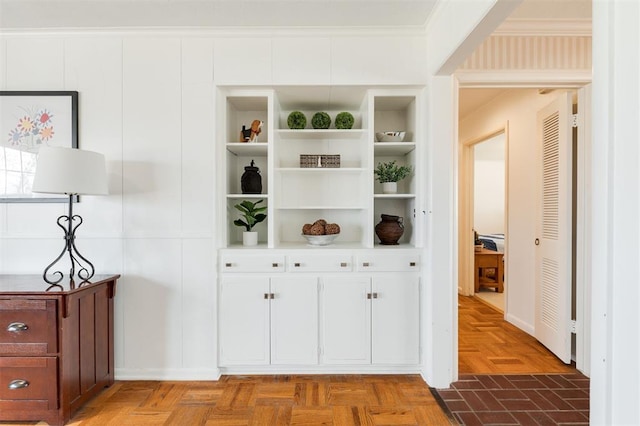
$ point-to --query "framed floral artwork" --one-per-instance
(28, 121)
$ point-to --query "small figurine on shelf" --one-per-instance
(251, 134)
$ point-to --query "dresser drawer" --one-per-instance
(320, 263)
(28, 383)
(388, 262)
(28, 327)
(252, 263)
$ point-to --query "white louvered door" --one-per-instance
(553, 254)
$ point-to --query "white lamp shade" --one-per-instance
(70, 171)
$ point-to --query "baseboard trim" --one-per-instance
(177, 374)
(524, 326)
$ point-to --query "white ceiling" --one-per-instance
(43, 14)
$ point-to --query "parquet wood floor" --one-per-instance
(487, 344)
(268, 400)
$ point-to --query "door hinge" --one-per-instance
(574, 120)
(573, 326)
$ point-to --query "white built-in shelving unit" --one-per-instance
(348, 195)
(349, 307)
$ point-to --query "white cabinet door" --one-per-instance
(346, 320)
(294, 320)
(395, 319)
(244, 321)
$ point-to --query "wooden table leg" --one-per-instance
(500, 274)
(476, 280)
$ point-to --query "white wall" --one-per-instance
(615, 344)
(146, 101)
(518, 107)
(489, 185)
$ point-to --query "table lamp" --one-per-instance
(72, 172)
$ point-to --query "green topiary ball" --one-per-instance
(297, 120)
(344, 120)
(321, 120)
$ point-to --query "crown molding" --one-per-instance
(544, 27)
(222, 32)
(523, 78)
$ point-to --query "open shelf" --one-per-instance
(320, 133)
(248, 149)
(394, 196)
(393, 148)
(295, 195)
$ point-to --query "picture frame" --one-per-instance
(28, 121)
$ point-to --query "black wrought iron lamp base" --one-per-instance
(80, 266)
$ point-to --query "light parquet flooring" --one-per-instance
(487, 344)
(268, 400)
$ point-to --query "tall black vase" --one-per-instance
(251, 181)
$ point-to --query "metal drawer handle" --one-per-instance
(375, 295)
(343, 264)
(228, 265)
(275, 265)
(297, 264)
(17, 327)
(18, 384)
(412, 263)
(365, 263)
(368, 295)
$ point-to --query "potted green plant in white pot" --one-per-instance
(252, 215)
(389, 174)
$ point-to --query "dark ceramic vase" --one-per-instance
(390, 229)
(251, 181)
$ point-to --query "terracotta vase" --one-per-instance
(390, 229)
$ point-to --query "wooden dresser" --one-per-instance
(56, 347)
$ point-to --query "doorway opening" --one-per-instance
(489, 171)
(512, 111)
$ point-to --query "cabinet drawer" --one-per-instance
(388, 262)
(28, 327)
(252, 263)
(28, 383)
(320, 263)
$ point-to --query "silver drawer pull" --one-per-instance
(18, 384)
(412, 263)
(375, 295)
(365, 263)
(343, 264)
(275, 265)
(297, 264)
(17, 327)
(266, 296)
(368, 295)
(228, 265)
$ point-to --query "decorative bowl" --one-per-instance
(320, 240)
(390, 136)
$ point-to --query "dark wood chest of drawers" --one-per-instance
(56, 347)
